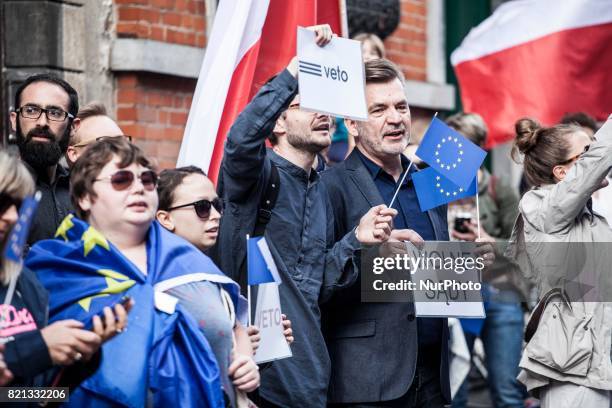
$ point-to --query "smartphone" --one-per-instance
(460, 219)
(124, 301)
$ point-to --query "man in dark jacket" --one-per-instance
(381, 355)
(299, 231)
(43, 120)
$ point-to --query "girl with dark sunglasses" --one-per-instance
(189, 207)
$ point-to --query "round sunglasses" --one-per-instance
(123, 179)
(202, 207)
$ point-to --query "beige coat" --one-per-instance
(552, 241)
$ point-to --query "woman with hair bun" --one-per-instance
(567, 358)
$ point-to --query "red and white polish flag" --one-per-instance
(250, 41)
(537, 58)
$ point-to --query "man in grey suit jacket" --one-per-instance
(381, 354)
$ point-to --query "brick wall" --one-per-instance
(173, 21)
(406, 46)
(153, 108)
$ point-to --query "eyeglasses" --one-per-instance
(123, 179)
(6, 201)
(576, 157)
(129, 139)
(202, 207)
(52, 114)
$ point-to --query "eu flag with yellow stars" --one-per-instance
(162, 356)
(433, 189)
(450, 153)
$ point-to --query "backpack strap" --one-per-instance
(264, 213)
(267, 203)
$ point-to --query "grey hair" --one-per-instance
(470, 125)
(15, 180)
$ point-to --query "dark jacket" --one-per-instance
(54, 206)
(26, 354)
(300, 235)
(373, 346)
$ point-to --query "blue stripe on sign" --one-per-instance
(317, 73)
(309, 64)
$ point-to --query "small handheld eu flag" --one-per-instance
(450, 153)
(433, 189)
(19, 234)
(260, 264)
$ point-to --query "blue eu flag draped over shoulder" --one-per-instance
(450, 153)
(162, 356)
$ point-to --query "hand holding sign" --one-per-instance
(323, 35)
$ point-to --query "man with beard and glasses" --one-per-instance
(43, 119)
(299, 227)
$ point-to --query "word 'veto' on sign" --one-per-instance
(336, 74)
(272, 345)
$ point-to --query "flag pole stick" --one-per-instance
(404, 176)
(400, 185)
(477, 209)
(248, 286)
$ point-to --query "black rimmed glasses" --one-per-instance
(52, 114)
(202, 207)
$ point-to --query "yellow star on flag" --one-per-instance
(85, 303)
(62, 230)
(115, 283)
(91, 238)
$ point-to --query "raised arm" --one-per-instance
(569, 196)
(245, 149)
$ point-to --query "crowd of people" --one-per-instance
(132, 292)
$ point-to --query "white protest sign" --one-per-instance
(272, 345)
(462, 310)
(331, 79)
(447, 292)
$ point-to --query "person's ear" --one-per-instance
(351, 127)
(14, 121)
(165, 219)
(559, 172)
(76, 122)
(85, 203)
(280, 127)
(71, 155)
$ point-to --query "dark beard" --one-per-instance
(302, 143)
(41, 155)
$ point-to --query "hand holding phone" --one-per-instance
(112, 320)
(460, 221)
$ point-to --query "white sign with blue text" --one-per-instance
(331, 78)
